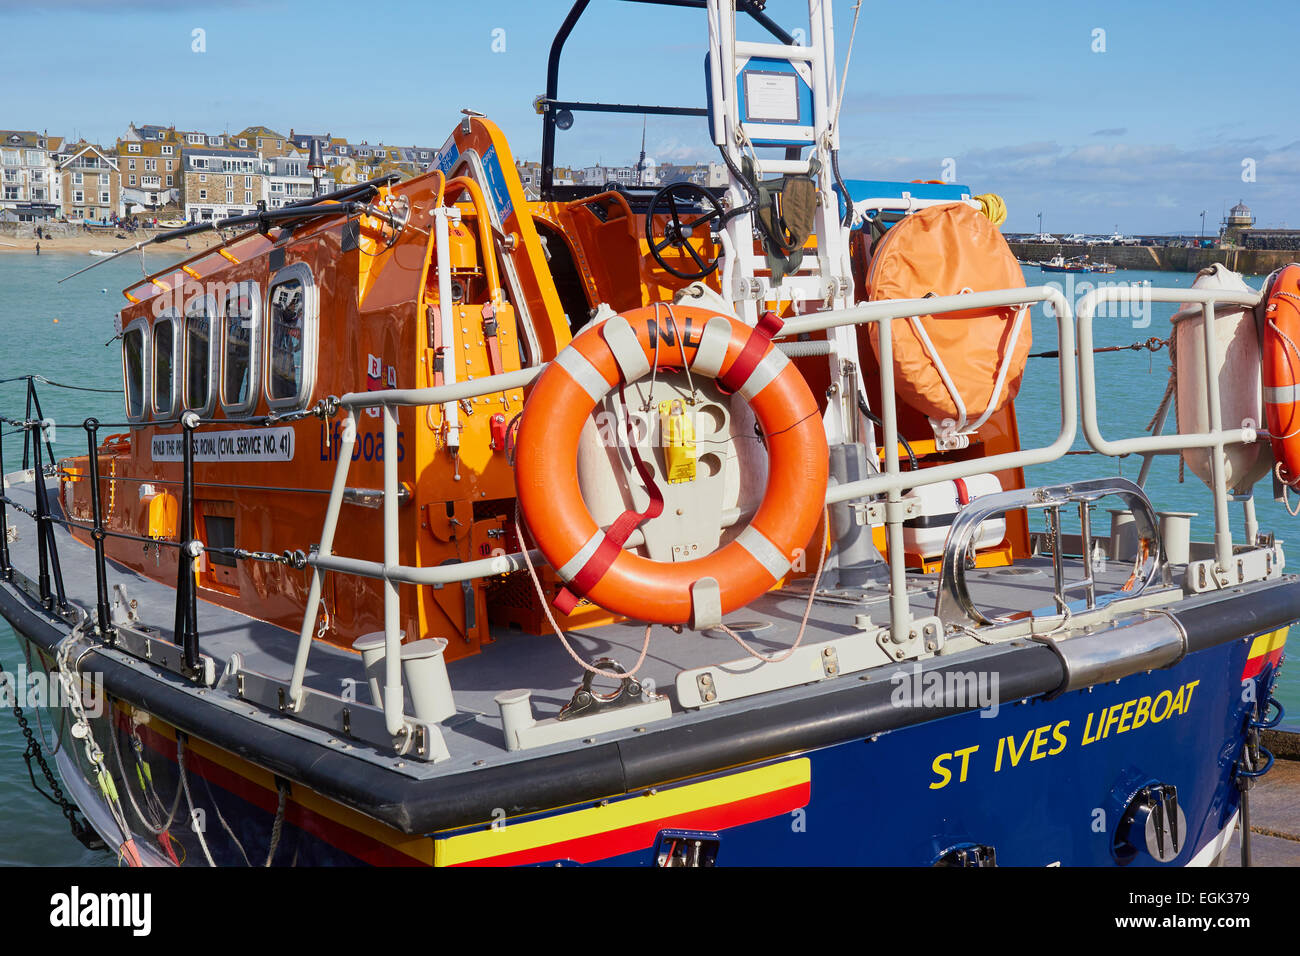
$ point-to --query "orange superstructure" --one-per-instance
(278, 320)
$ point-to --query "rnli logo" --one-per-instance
(378, 378)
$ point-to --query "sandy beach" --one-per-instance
(104, 241)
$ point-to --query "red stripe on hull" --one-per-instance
(364, 848)
(1257, 664)
(641, 836)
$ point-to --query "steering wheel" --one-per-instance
(677, 233)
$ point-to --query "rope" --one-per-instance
(70, 681)
(189, 800)
(121, 769)
(277, 826)
(222, 820)
(993, 206)
(844, 76)
(1286, 487)
(45, 381)
(546, 607)
(681, 345)
(807, 611)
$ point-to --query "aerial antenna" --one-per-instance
(640, 164)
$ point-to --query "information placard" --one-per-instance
(243, 444)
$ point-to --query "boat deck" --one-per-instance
(474, 736)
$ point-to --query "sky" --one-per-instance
(1099, 114)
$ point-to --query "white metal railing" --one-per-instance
(893, 479)
(1215, 438)
(391, 571)
(890, 482)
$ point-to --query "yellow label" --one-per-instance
(677, 435)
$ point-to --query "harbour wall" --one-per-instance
(1163, 258)
(27, 230)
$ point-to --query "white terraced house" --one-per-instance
(27, 175)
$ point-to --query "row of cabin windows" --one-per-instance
(222, 346)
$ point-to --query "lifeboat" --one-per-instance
(410, 464)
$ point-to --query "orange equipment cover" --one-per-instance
(945, 250)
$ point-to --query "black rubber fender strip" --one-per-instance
(859, 710)
(1216, 620)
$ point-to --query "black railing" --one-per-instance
(106, 629)
(6, 566)
(187, 603)
(552, 105)
(49, 584)
(34, 404)
(47, 547)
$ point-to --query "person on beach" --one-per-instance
(38, 248)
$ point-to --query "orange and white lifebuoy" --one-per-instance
(1281, 360)
(593, 562)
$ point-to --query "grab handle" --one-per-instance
(953, 604)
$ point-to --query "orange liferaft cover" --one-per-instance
(946, 250)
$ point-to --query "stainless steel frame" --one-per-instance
(1216, 438)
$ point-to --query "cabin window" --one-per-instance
(164, 367)
(239, 349)
(133, 367)
(200, 319)
(291, 308)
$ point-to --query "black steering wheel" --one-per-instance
(677, 232)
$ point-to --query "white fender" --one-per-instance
(1239, 376)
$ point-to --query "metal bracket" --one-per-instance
(146, 643)
(968, 855)
(877, 512)
(925, 635)
(733, 680)
(585, 702)
(524, 732)
(124, 610)
(1256, 564)
(744, 287)
(348, 718)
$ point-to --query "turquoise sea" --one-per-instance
(76, 350)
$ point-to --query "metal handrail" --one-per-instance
(892, 482)
(884, 313)
(952, 602)
(1215, 438)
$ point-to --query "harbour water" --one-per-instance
(64, 332)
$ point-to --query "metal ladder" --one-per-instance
(825, 277)
(824, 280)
